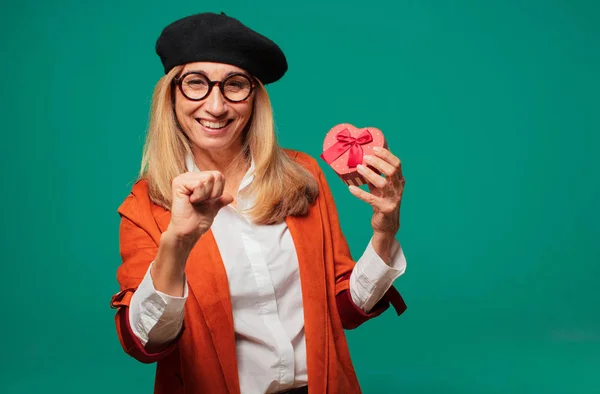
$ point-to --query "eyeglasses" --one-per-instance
(196, 86)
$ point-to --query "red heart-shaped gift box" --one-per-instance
(344, 147)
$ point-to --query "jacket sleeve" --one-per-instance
(138, 247)
(351, 315)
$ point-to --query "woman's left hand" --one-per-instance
(385, 193)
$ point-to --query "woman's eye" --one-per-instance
(196, 82)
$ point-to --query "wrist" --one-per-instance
(174, 250)
(382, 244)
(180, 244)
(168, 269)
(384, 237)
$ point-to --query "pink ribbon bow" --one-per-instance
(344, 142)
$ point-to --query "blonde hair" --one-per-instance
(281, 187)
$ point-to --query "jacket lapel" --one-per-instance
(207, 279)
(307, 234)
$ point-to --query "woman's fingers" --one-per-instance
(384, 205)
(219, 185)
(199, 187)
(224, 200)
(383, 166)
(389, 164)
(374, 201)
(388, 157)
(377, 180)
(202, 189)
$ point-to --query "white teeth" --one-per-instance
(213, 125)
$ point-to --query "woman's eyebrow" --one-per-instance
(197, 71)
(226, 75)
(236, 72)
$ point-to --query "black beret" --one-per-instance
(210, 37)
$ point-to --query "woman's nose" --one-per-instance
(215, 102)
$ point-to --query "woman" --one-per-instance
(236, 276)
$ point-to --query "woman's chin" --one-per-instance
(213, 142)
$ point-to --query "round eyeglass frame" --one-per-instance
(211, 84)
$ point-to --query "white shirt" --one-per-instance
(266, 297)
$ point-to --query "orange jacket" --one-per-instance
(203, 357)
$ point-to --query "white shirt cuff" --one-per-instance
(371, 277)
(155, 316)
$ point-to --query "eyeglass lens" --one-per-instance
(235, 87)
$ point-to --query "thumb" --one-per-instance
(224, 200)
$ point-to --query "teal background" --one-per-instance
(492, 107)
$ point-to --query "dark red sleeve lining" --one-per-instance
(352, 316)
(130, 342)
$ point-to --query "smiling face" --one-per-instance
(213, 124)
